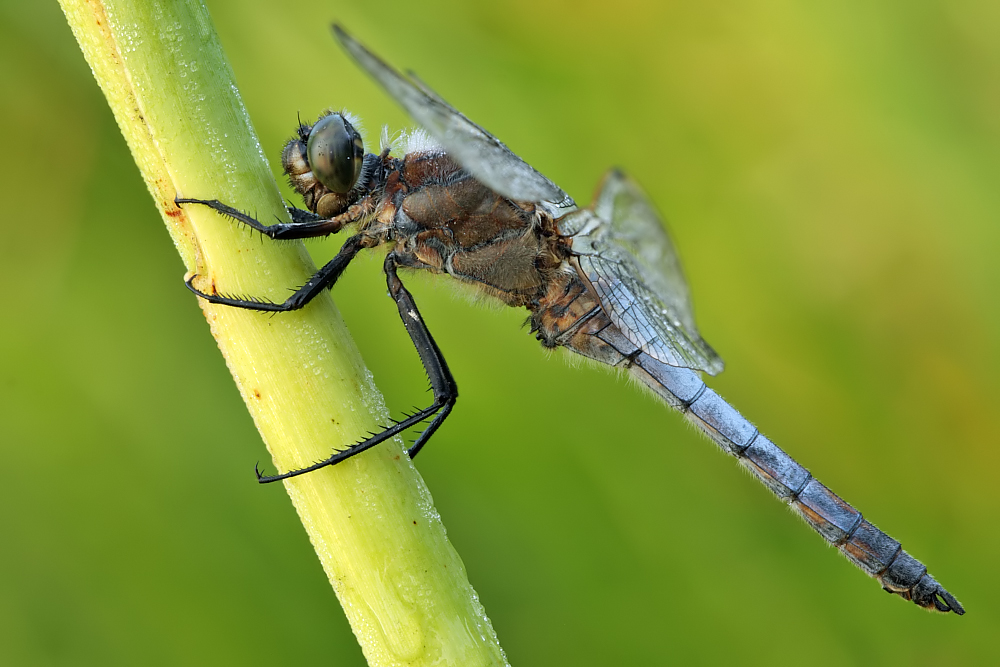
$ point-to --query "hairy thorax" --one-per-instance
(437, 217)
(448, 222)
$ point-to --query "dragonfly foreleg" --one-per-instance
(305, 224)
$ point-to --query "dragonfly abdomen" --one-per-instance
(835, 520)
(879, 555)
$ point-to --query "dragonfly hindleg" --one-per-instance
(442, 382)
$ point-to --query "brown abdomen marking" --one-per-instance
(570, 315)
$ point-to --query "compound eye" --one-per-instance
(335, 153)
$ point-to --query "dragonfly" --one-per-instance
(602, 281)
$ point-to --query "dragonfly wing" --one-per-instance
(478, 151)
(626, 255)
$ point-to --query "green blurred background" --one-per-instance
(830, 172)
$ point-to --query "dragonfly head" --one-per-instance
(324, 163)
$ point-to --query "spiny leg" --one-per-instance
(442, 382)
(305, 225)
(299, 215)
(322, 279)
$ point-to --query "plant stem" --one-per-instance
(371, 519)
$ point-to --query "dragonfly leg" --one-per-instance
(299, 215)
(425, 435)
(442, 382)
(305, 223)
(322, 279)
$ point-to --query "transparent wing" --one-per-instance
(627, 256)
(478, 151)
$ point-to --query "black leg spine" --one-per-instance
(442, 382)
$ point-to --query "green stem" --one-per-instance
(371, 518)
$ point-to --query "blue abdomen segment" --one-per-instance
(833, 518)
(594, 335)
